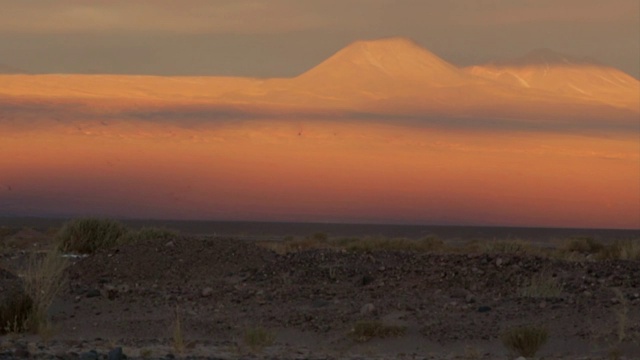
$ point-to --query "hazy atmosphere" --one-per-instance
(519, 113)
(287, 37)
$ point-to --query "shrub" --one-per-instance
(257, 338)
(86, 236)
(525, 340)
(542, 285)
(583, 245)
(365, 330)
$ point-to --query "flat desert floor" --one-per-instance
(218, 297)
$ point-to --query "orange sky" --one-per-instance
(325, 171)
(291, 111)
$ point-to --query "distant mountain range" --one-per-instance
(391, 75)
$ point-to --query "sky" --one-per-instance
(379, 126)
(282, 38)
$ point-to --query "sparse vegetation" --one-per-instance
(583, 245)
(257, 338)
(622, 315)
(367, 244)
(542, 285)
(178, 337)
(27, 310)
(472, 353)
(146, 353)
(44, 280)
(427, 244)
(525, 340)
(621, 250)
(15, 313)
(366, 330)
(87, 235)
(506, 247)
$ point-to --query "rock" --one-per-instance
(116, 354)
(543, 305)
(367, 309)
(521, 358)
(499, 262)
(319, 303)
(366, 280)
(110, 292)
(206, 292)
(459, 293)
(93, 293)
(89, 355)
(21, 352)
(470, 299)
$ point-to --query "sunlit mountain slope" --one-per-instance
(565, 76)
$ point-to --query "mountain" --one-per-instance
(383, 62)
(386, 76)
(566, 76)
(367, 74)
(546, 57)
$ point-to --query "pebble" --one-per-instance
(206, 292)
(367, 309)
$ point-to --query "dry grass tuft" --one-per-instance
(44, 280)
(516, 247)
(88, 235)
(525, 340)
(368, 244)
(582, 245)
(366, 330)
(542, 285)
(257, 338)
(178, 337)
(622, 315)
(15, 314)
(621, 250)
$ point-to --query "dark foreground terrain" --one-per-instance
(221, 298)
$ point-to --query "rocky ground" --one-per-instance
(450, 305)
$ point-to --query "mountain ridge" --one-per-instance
(388, 75)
